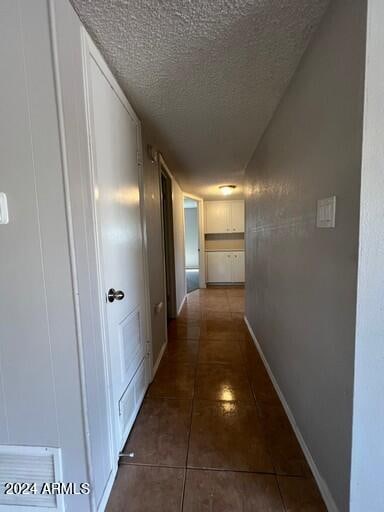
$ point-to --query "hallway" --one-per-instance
(145, 140)
(211, 433)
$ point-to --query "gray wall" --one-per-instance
(191, 218)
(300, 280)
(367, 490)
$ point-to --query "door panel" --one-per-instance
(218, 267)
(116, 180)
(132, 398)
(131, 345)
(237, 216)
(238, 267)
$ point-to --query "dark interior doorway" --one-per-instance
(168, 241)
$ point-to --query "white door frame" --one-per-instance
(89, 50)
(200, 209)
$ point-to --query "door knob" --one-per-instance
(115, 295)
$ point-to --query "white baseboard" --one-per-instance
(323, 487)
(159, 358)
(181, 305)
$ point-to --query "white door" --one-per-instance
(217, 216)
(237, 216)
(219, 267)
(238, 267)
(115, 139)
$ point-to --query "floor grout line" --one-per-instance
(152, 465)
(154, 397)
(218, 470)
(190, 427)
(229, 470)
(281, 494)
(183, 492)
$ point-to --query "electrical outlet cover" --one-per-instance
(4, 218)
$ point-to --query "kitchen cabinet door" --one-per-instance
(217, 216)
(238, 267)
(237, 216)
(219, 267)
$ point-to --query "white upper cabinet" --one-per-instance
(224, 216)
(237, 216)
(217, 216)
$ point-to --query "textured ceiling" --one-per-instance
(205, 76)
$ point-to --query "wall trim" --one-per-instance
(158, 360)
(108, 488)
(323, 487)
(72, 252)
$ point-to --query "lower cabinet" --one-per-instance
(225, 267)
(238, 267)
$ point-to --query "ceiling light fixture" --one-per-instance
(227, 189)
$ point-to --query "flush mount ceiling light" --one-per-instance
(227, 189)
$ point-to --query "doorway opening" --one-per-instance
(168, 240)
(192, 244)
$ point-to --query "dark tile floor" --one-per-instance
(211, 434)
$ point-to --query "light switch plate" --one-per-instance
(326, 212)
(4, 218)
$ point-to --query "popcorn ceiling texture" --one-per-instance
(205, 76)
